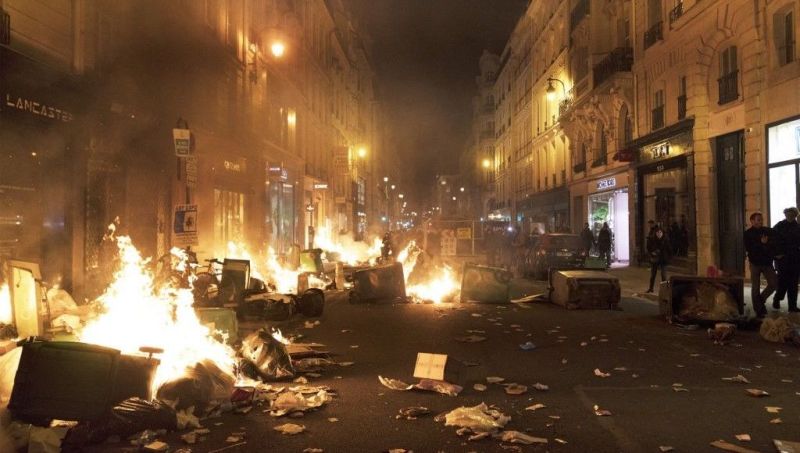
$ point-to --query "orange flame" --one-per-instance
(440, 284)
(136, 316)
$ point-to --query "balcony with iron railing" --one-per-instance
(654, 34)
(728, 87)
(580, 11)
(618, 60)
(675, 13)
(657, 118)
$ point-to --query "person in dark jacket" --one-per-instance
(787, 259)
(604, 243)
(760, 242)
(587, 238)
(659, 252)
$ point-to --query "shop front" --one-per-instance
(783, 167)
(665, 193)
(608, 203)
(40, 164)
(546, 212)
(282, 193)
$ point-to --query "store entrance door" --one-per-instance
(730, 185)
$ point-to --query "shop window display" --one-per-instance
(784, 160)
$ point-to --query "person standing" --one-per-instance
(587, 238)
(760, 241)
(787, 260)
(604, 243)
(658, 251)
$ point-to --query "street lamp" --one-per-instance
(461, 189)
(393, 186)
(362, 152)
(486, 163)
(278, 49)
(385, 179)
(551, 90)
(401, 196)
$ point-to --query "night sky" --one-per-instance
(426, 56)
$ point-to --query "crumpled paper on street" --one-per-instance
(477, 418)
(288, 402)
(428, 385)
(290, 428)
(516, 437)
(722, 333)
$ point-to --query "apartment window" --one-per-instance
(625, 127)
(783, 24)
(602, 147)
(658, 110)
(729, 76)
(682, 98)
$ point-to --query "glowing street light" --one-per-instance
(278, 49)
(486, 163)
(401, 196)
(393, 186)
(454, 198)
(362, 152)
(461, 189)
(385, 179)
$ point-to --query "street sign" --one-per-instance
(464, 233)
(183, 141)
(448, 243)
(184, 225)
(191, 172)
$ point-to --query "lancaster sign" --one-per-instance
(37, 108)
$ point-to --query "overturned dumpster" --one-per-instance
(584, 288)
(702, 299)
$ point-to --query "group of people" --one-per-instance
(603, 242)
(774, 253)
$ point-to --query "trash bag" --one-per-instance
(776, 330)
(269, 355)
(125, 419)
(477, 418)
(201, 385)
(311, 303)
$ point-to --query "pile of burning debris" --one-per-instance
(105, 384)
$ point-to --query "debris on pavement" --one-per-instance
(516, 389)
(727, 446)
(601, 412)
(756, 392)
(785, 446)
(430, 385)
(599, 373)
(290, 428)
(394, 384)
(776, 421)
(478, 419)
(535, 407)
(737, 378)
(777, 329)
(722, 333)
(665, 448)
(495, 379)
(265, 357)
(412, 413)
(479, 387)
(743, 437)
(294, 401)
(470, 339)
(773, 409)
(156, 446)
(541, 387)
(527, 346)
(516, 437)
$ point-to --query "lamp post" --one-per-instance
(551, 90)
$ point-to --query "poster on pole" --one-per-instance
(448, 243)
(191, 172)
(184, 225)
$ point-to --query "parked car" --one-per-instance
(554, 250)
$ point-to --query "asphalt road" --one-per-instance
(650, 357)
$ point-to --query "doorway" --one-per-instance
(730, 195)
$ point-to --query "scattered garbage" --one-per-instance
(737, 378)
(413, 412)
(722, 333)
(777, 329)
(478, 419)
(431, 385)
(294, 401)
(541, 387)
(785, 446)
(290, 429)
(727, 446)
(265, 358)
(479, 387)
(495, 379)
(756, 392)
(776, 421)
(773, 409)
(743, 437)
(200, 387)
(470, 339)
(127, 418)
(516, 437)
(535, 407)
(516, 389)
(601, 412)
(527, 346)
(601, 374)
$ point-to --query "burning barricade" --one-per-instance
(112, 386)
